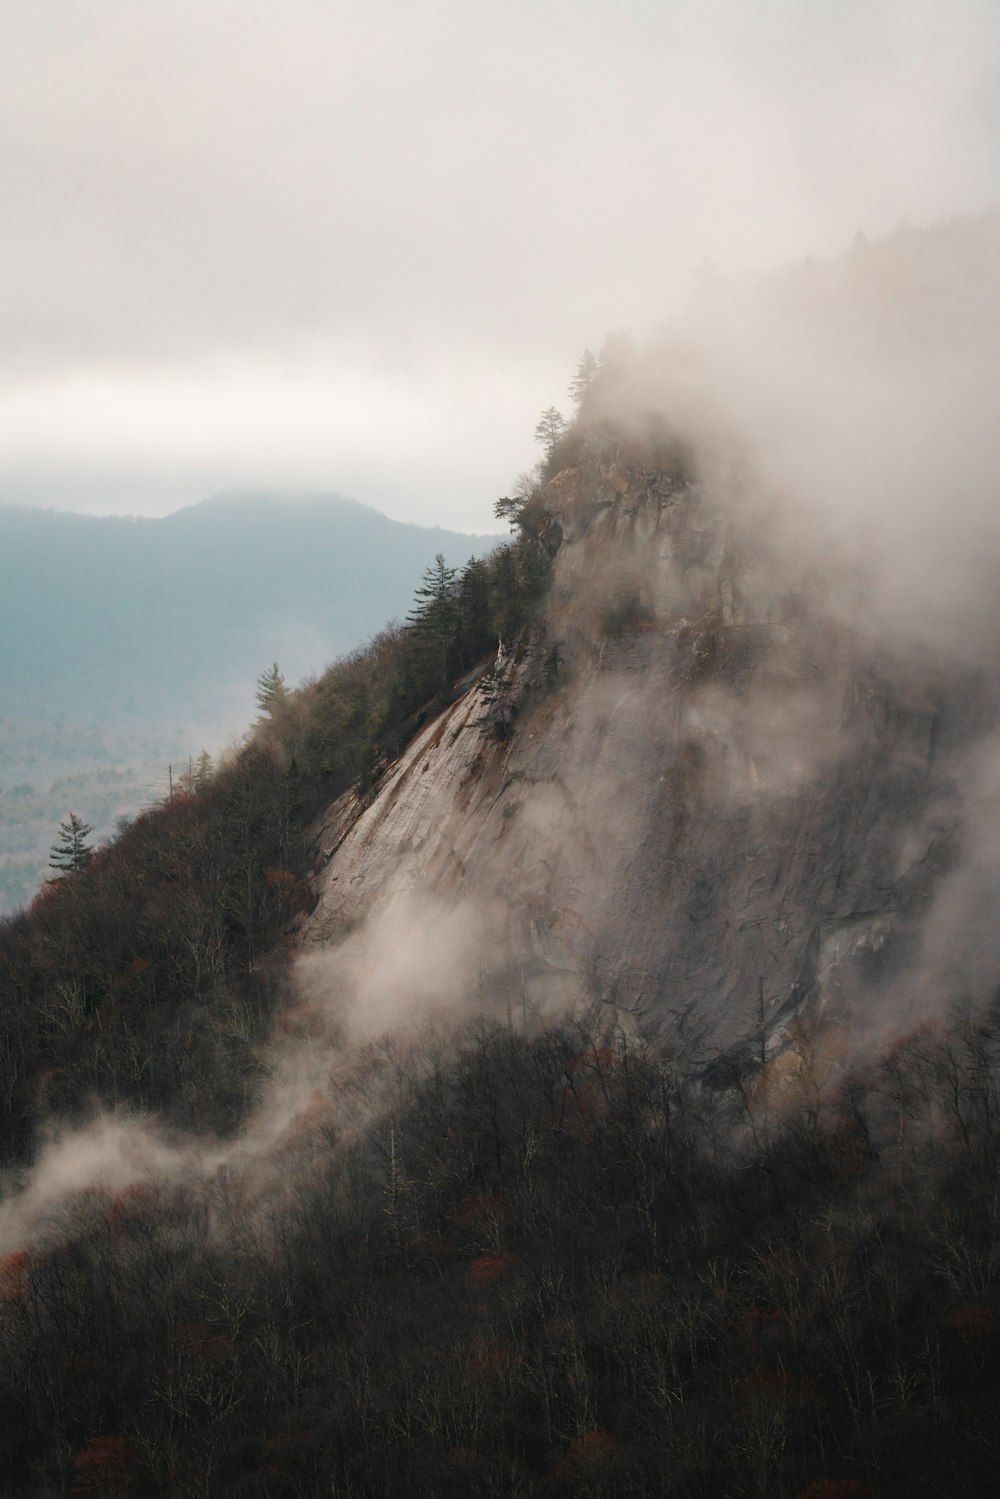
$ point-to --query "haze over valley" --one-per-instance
(129, 645)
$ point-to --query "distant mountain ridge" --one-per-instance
(125, 619)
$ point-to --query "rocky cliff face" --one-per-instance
(718, 799)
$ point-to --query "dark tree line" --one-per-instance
(550, 1264)
(143, 977)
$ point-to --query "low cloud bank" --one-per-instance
(850, 408)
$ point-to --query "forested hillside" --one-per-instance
(558, 1053)
(163, 949)
(127, 646)
(530, 1259)
(551, 1265)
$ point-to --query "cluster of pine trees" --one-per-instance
(365, 708)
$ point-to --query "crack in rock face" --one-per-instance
(727, 794)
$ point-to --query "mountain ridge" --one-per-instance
(110, 616)
(141, 640)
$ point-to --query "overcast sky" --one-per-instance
(312, 243)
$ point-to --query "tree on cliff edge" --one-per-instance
(551, 426)
(71, 852)
(272, 694)
(433, 620)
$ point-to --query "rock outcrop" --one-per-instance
(718, 795)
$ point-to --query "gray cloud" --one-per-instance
(847, 407)
(439, 206)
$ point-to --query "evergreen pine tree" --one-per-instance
(587, 370)
(272, 694)
(475, 633)
(551, 426)
(71, 852)
(433, 621)
(202, 772)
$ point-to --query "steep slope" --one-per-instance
(731, 779)
(153, 632)
(719, 802)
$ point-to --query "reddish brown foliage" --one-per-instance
(430, 1243)
(15, 1274)
(316, 1119)
(579, 1109)
(487, 1361)
(204, 1342)
(100, 1468)
(128, 1207)
(591, 1451)
(135, 969)
(302, 1020)
(47, 897)
(973, 1321)
(475, 1212)
(291, 895)
(765, 1316)
(597, 1058)
(485, 1269)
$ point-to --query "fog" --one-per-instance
(251, 243)
(660, 844)
(365, 251)
(845, 410)
(359, 1026)
(839, 423)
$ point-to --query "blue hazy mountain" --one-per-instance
(126, 645)
(119, 619)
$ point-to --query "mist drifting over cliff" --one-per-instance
(558, 1049)
(748, 763)
(846, 406)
